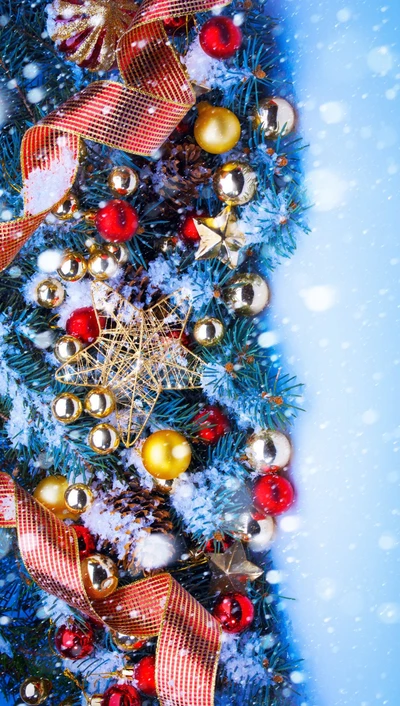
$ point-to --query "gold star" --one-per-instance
(220, 237)
(137, 355)
(231, 570)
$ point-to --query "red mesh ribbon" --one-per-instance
(188, 636)
(136, 117)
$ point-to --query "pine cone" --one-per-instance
(140, 503)
(180, 172)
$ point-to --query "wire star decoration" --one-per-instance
(138, 354)
(220, 237)
(231, 570)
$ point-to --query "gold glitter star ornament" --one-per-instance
(138, 354)
(220, 237)
(231, 570)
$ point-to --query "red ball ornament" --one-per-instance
(86, 543)
(73, 641)
(188, 231)
(220, 37)
(117, 221)
(82, 324)
(234, 611)
(211, 424)
(145, 675)
(273, 494)
(121, 695)
(175, 333)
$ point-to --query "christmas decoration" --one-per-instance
(220, 37)
(166, 454)
(145, 675)
(102, 264)
(104, 439)
(120, 252)
(220, 237)
(174, 25)
(188, 231)
(50, 492)
(127, 643)
(121, 695)
(88, 32)
(208, 331)
(276, 117)
(123, 181)
(247, 294)
(268, 450)
(231, 570)
(220, 541)
(99, 576)
(210, 424)
(6, 541)
(262, 540)
(99, 402)
(86, 543)
(78, 498)
(49, 293)
(273, 494)
(235, 183)
(67, 408)
(246, 527)
(130, 335)
(74, 641)
(67, 208)
(217, 129)
(72, 267)
(35, 690)
(183, 171)
(84, 325)
(66, 347)
(234, 611)
(117, 221)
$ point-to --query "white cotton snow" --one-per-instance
(154, 551)
(45, 187)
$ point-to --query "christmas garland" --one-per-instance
(145, 430)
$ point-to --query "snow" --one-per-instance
(49, 260)
(43, 188)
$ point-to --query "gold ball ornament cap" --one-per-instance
(66, 347)
(50, 293)
(102, 264)
(119, 250)
(123, 181)
(99, 402)
(66, 408)
(247, 294)
(276, 116)
(208, 331)
(235, 183)
(73, 266)
(78, 498)
(67, 208)
(216, 129)
(50, 492)
(35, 690)
(166, 454)
(99, 576)
(127, 643)
(104, 439)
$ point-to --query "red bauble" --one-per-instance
(211, 424)
(145, 675)
(117, 221)
(220, 37)
(73, 641)
(222, 544)
(121, 695)
(175, 333)
(86, 543)
(82, 324)
(188, 231)
(273, 494)
(234, 611)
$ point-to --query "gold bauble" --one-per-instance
(119, 250)
(246, 528)
(166, 454)
(95, 699)
(127, 643)
(72, 267)
(99, 576)
(103, 439)
(268, 450)
(235, 183)
(35, 690)
(50, 492)
(217, 129)
(66, 408)
(123, 181)
(67, 208)
(276, 117)
(49, 293)
(78, 498)
(247, 294)
(66, 347)
(99, 402)
(102, 264)
(208, 331)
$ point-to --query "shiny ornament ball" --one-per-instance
(66, 408)
(276, 117)
(208, 331)
(216, 129)
(102, 264)
(6, 542)
(50, 492)
(261, 541)
(187, 229)
(123, 181)
(235, 183)
(104, 439)
(35, 690)
(121, 695)
(83, 324)
(210, 424)
(246, 528)
(49, 293)
(119, 250)
(220, 37)
(117, 221)
(73, 641)
(145, 675)
(99, 402)
(166, 454)
(99, 576)
(178, 25)
(86, 543)
(72, 267)
(246, 294)
(66, 347)
(268, 450)
(67, 208)
(234, 611)
(78, 498)
(273, 494)
(127, 643)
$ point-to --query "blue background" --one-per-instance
(335, 312)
